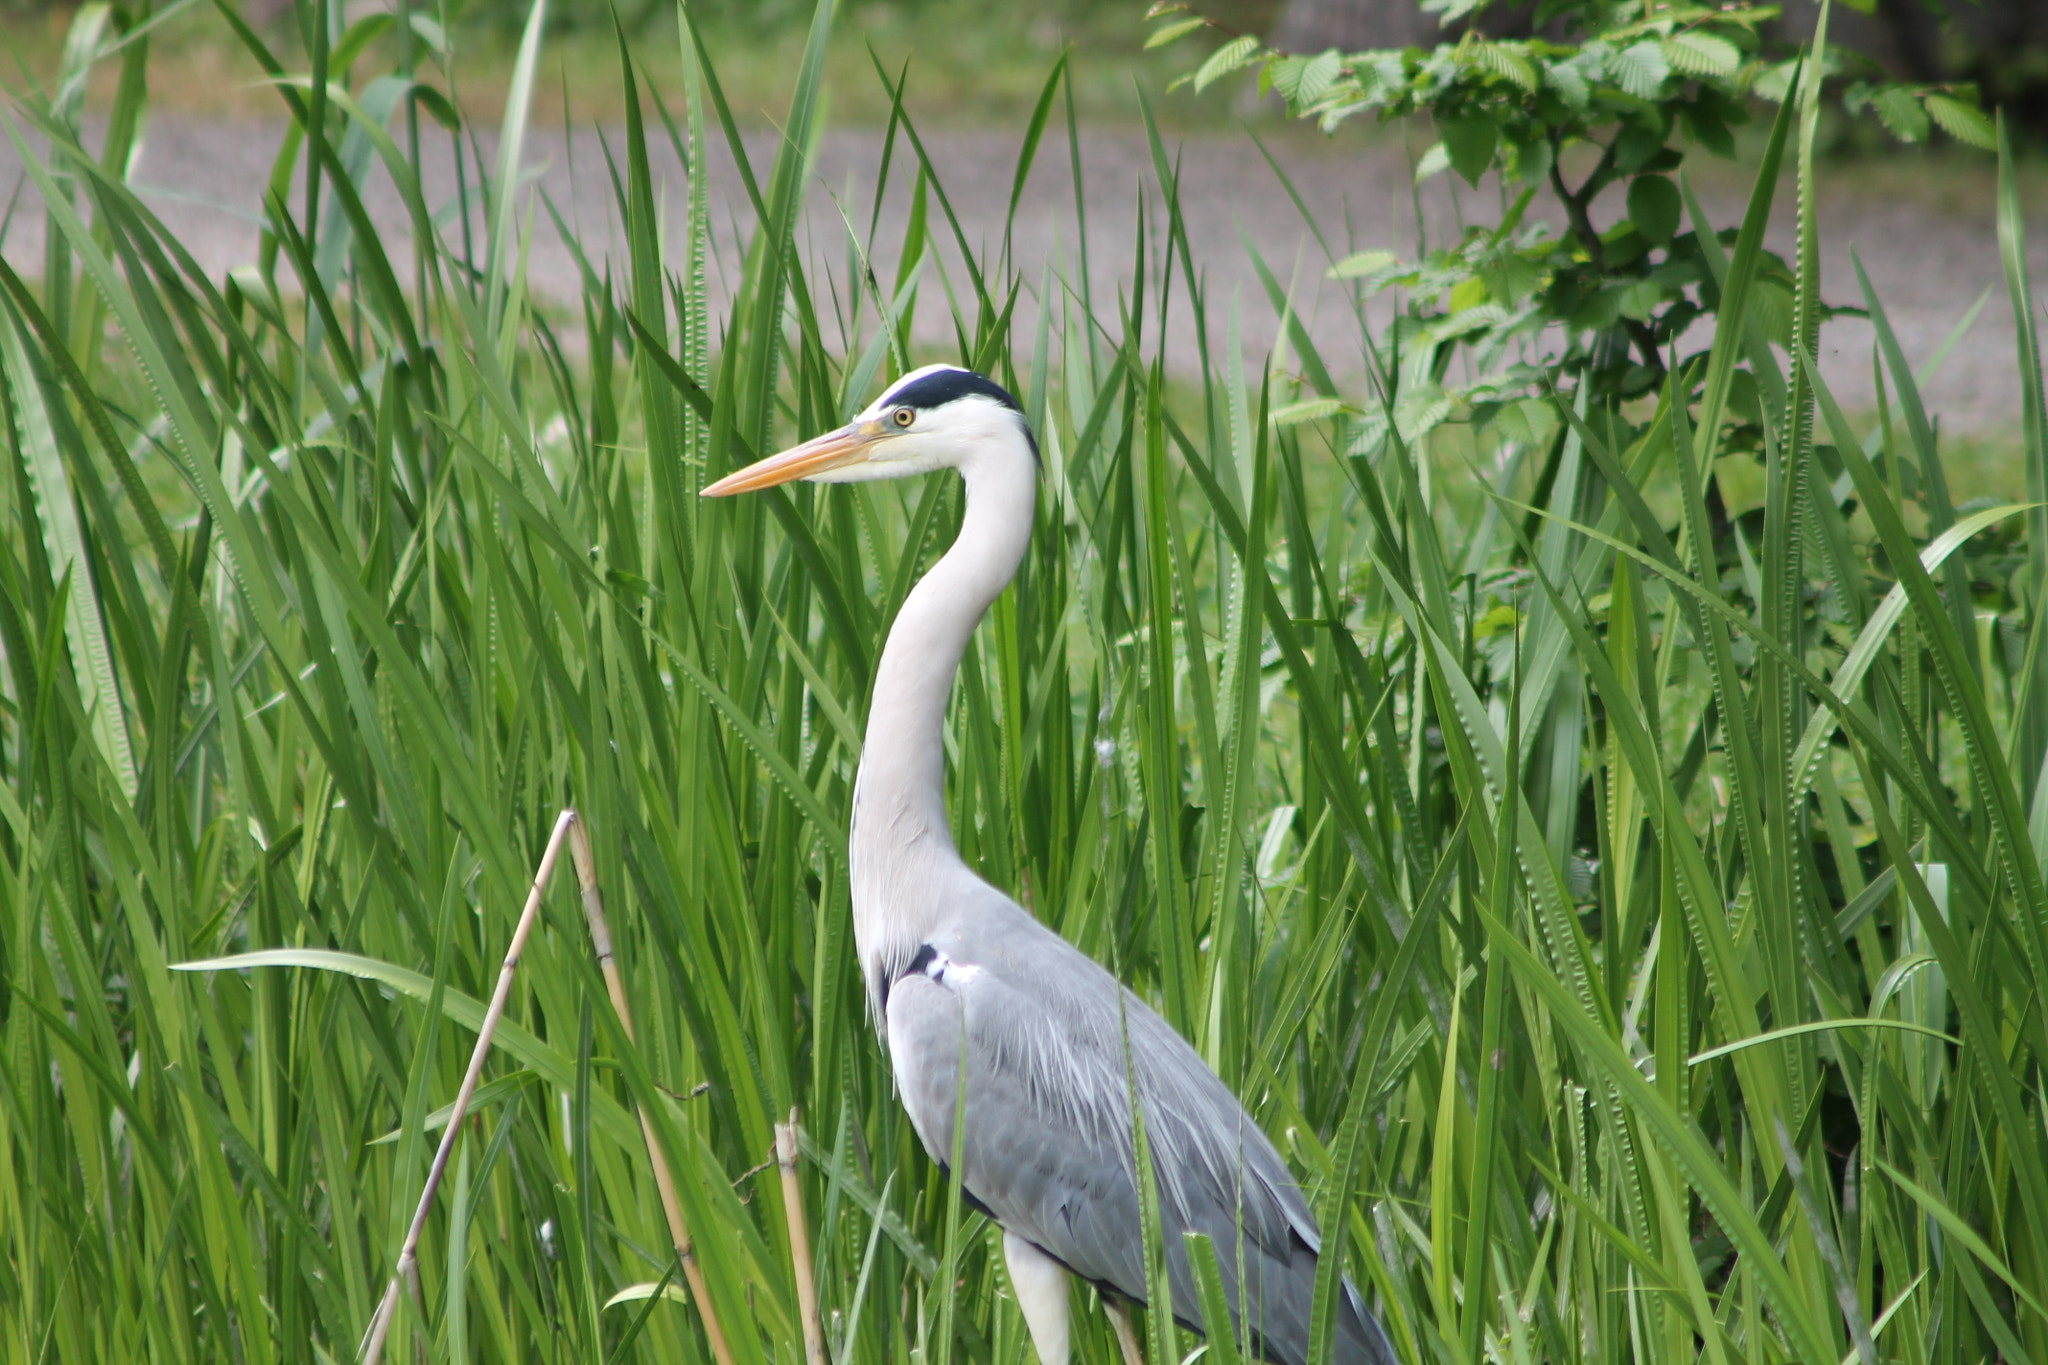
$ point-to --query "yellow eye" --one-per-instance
(904, 417)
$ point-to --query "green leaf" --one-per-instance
(1962, 122)
(1639, 142)
(1362, 263)
(504, 241)
(2031, 686)
(1420, 409)
(1774, 82)
(1677, 1135)
(1654, 207)
(1160, 37)
(1531, 422)
(546, 1060)
(640, 1293)
(91, 651)
(1641, 68)
(1206, 1271)
(1964, 1234)
(1308, 410)
(1641, 299)
(487, 1094)
(1818, 1026)
(1314, 77)
(1569, 82)
(1504, 61)
(1701, 54)
(1225, 60)
(1899, 109)
(1469, 143)
(1849, 674)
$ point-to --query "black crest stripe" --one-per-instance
(941, 387)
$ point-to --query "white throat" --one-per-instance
(903, 856)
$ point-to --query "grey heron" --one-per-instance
(951, 962)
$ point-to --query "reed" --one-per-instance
(1630, 923)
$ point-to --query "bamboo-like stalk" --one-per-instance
(1126, 1334)
(407, 1269)
(799, 1242)
(664, 1182)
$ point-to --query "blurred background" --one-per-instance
(2001, 45)
(985, 61)
(1919, 216)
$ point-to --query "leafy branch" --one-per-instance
(1633, 83)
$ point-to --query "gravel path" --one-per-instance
(1930, 253)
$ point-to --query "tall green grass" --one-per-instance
(1632, 931)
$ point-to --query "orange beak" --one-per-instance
(834, 450)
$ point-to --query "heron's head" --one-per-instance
(939, 417)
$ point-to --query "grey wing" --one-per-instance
(1048, 1148)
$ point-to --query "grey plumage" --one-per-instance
(1049, 1149)
(959, 974)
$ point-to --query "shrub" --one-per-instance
(1628, 87)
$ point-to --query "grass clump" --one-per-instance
(1627, 915)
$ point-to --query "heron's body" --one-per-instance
(964, 981)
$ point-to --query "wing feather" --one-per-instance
(1048, 1148)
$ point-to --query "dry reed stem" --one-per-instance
(799, 1242)
(1126, 1334)
(664, 1182)
(407, 1269)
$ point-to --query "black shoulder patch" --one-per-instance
(888, 974)
(941, 387)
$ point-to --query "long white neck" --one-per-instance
(901, 844)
